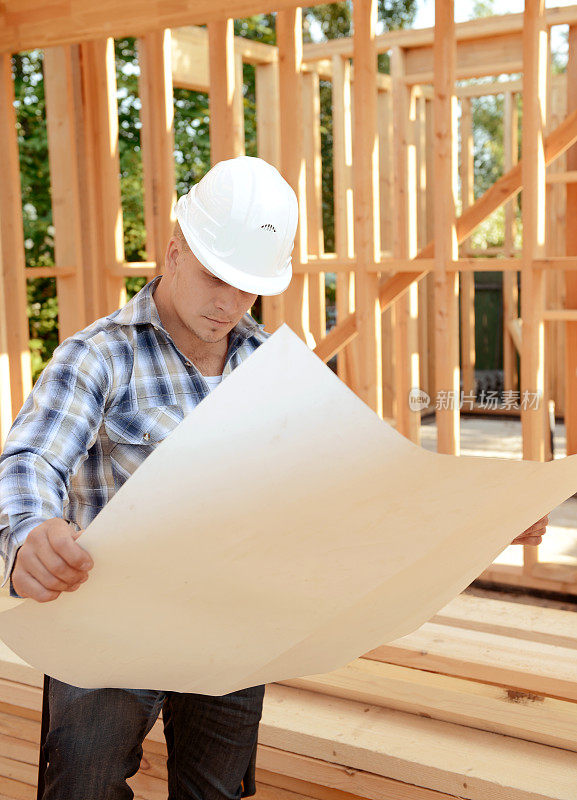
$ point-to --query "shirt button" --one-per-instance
(187, 364)
(146, 437)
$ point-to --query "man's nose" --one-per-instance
(229, 298)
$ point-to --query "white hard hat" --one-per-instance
(240, 222)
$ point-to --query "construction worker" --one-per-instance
(109, 395)
(111, 392)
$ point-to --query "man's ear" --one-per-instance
(171, 254)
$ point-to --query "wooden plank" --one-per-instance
(12, 262)
(313, 176)
(475, 29)
(467, 279)
(535, 667)
(190, 62)
(446, 280)
(329, 781)
(516, 620)
(422, 238)
(555, 224)
(474, 705)
(510, 283)
(366, 208)
(429, 753)
(289, 41)
(500, 53)
(406, 332)
(6, 416)
(226, 134)
(343, 206)
(268, 147)
(157, 142)
(35, 24)
(429, 236)
(101, 211)
(60, 76)
(571, 250)
(533, 210)
(386, 181)
(543, 576)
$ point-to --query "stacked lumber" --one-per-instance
(480, 702)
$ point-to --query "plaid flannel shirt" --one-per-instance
(108, 396)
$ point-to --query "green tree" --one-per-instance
(192, 148)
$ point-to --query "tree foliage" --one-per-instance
(192, 148)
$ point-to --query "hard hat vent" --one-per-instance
(269, 227)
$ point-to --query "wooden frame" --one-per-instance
(396, 271)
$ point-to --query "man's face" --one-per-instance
(207, 306)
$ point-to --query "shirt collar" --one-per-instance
(142, 309)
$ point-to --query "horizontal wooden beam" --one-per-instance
(49, 272)
(560, 315)
(484, 27)
(190, 66)
(134, 269)
(38, 24)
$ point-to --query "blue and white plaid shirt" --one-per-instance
(108, 396)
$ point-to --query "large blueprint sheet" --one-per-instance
(281, 530)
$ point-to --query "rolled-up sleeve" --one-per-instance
(48, 442)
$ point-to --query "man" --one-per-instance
(109, 395)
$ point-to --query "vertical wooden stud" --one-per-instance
(12, 261)
(405, 246)
(510, 278)
(446, 279)
(422, 211)
(290, 53)
(430, 234)
(225, 133)
(385, 125)
(533, 280)
(344, 206)
(467, 279)
(101, 213)
(268, 147)
(315, 243)
(157, 136)
(60, 75)
(366, 184)
(571, 250)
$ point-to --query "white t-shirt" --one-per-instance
(212, 381)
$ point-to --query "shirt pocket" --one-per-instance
(143, 426)
(134, 434)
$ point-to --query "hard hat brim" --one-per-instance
(254, 284)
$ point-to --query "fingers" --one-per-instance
(526, 538)
(27, 586)
(531, 540)
(51, 559)
(540, 525)
(62, 542)
(54, 579)
(50, 562)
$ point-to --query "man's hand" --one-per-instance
(534, 534)
(50, 562)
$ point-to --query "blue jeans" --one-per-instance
(94, 742)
